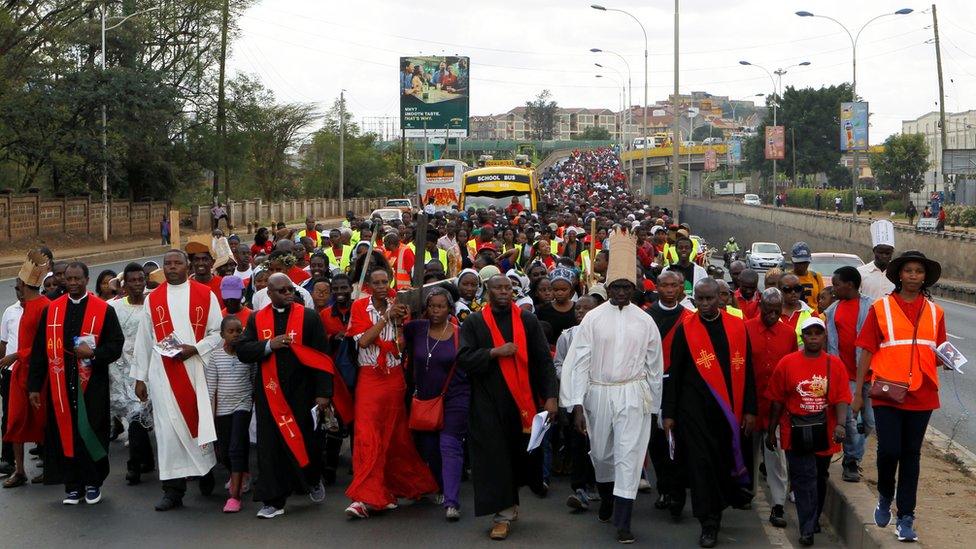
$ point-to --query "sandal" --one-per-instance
(15, 480)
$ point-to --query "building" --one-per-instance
(960, 134)
(570, 124)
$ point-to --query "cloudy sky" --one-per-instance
(307, 50)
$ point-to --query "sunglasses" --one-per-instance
(791, 289)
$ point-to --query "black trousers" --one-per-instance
(141, 458)
(900, 436)
(581, 472)
(7, 453)
(233, 440)
(79, 473)
(175, 488)
(808, 479)
(668, 473)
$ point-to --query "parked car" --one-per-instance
(826, 263)
(713, 141)
(765, 255)
(403, 204)
(751, 200)
(689, 144)
(387, 214)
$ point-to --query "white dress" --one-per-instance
(124, 402)
(180, 455)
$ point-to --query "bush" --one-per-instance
(961, 216)
(897, 205)
(873, 200)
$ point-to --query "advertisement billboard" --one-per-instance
(434, 96)
(775, 143)
(735, 152)
(711, 160)
(854, 126)
(439, 183)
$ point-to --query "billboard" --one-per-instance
(434, 96)
(775, 143)
(711, 160)
(439, 183)
(735, 152)
(854, 126)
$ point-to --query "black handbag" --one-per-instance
(808, 433)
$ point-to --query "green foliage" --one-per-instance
(540, 114)
(703, 132)
(961, 216)
(595, 133)
(806, 198)
(902, 165)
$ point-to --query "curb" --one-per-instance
(850, 507)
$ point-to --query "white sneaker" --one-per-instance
(453, 514)
(269, 512)
(317, 493)
(643, 486)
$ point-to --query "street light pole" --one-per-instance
(616, 82)
(854, 39)
(628, 120)
(105, 212)
(775, 106)
(675, 176)
(644, 121)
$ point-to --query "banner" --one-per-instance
(854, 126)
(735, 152)
(434, 96)
(775, 143)
(711, 161)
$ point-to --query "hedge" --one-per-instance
(873, 200)
(961, 216)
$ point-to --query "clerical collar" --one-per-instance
(716, 317)
(277, 310)
(77, 301)
(666, 308)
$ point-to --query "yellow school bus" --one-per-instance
(496, 185)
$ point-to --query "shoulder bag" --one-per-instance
(895, 391)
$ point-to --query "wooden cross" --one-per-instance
(705, 359)
(738, 361)
(162, 318)
(285, 420)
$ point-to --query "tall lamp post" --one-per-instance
(775, 106)
(644, 121)
(105, 115)
(629, 119)
(623, 97)
(854, 38)
(616, 83)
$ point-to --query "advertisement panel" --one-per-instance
(434, 96)
(854, 126)
(735, 151)
(775, 143)
(439, 183)
(711, 161)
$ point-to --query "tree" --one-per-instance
(902, 165)
(540, 115)
(595, 133)
(703, 132)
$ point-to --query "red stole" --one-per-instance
(669, 337)
(91, 324)
(280, 410)
(703, 353)
(179, 379)
(515, 369)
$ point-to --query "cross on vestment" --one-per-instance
(199, 321)
(272, 386)
(57, 345)
(705, 359)
(162, 317)
(738, 361)
(285, 421)
(291, 335)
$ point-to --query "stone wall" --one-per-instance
(242, 212)
(717, 220)
(29, 216)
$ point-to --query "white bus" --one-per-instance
(440, 181)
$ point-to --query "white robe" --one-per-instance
(125, 404)
(614, 369)
(180, 455)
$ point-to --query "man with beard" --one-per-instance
(504, 353)
(709, 400)
(77, 338)
(289, 343)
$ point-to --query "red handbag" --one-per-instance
(428, 415)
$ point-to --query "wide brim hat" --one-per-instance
(933, 269)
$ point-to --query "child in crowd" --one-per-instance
(231, 385)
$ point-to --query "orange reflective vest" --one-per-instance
(402, 274)
(901, 356)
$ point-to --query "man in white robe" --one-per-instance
(180, 454)
(612, 379)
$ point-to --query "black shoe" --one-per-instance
(708, 537)
(852, 472)
(6, 469)
(207, 484)
(776, 517)
(807, 540)
(117, 429)
(624, 536)
(133, 477)
(663, 502)
(606, 509)
(169, 503)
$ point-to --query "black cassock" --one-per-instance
(81, 471)
(278, 472)
(499, 462)
(702, 431)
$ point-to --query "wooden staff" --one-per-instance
(590, 276)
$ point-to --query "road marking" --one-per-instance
(954, 336)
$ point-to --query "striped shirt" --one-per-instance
(230, 381)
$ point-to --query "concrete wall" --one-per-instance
(718, 220)
(242, 212)
(29, 216)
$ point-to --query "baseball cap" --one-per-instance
(231, 287)
(801, 253)
(812, 321)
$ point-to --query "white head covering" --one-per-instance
(882, 233)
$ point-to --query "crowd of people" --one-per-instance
(596, 315)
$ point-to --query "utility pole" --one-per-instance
(793, 149)
(342, 147)
(675, 175)
(942, 119)
(221, 109)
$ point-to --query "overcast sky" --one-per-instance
(307, 50)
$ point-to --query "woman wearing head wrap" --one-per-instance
(468, 284)
(560, 314)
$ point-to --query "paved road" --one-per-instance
(8, 296)
(33, 516)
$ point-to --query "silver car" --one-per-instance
(765, 255)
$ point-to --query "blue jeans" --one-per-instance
(854, 441)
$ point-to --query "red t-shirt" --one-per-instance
(298, 274)
(243, 315)
(846, 321)
(749, 307)
(802, 385)
(333, 323)
(768, 346)
(258, 249)
(926, 397)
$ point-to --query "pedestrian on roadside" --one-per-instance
(897, 344)
(817, 200)
(910, 212)
(812, 426)
(164, 230)
(837, 204)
